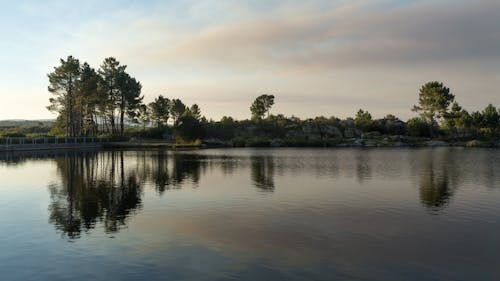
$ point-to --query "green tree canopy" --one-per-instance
(62, 84)
(159, 110)
(195, 111)
(363, 119)
(261, 106)
(177, 109)
(490, 117)
(433, 102)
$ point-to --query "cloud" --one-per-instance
(336, 55)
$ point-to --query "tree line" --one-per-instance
(90, 102)
(95, 102)
(108, 101)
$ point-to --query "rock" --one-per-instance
(351, 133)
(370, 135)
(370, 143)
(276, 143)
(330, 131)
(436, 143)
(358, 142)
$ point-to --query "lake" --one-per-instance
(251, 214)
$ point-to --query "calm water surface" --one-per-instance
(251, 214)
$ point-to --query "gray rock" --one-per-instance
(276, 143)
(435, 143)
(370, 135)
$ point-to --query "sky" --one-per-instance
(327, 58)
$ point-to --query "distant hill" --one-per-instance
(20, 122)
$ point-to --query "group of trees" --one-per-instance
(441, 114)
(90, 102)
(186, 121)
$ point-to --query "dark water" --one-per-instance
(251, 214)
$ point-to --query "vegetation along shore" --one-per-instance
(107, 102)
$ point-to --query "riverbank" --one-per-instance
(393, 141)
(384, 141)
(151, 145)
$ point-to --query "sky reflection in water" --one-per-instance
(294, 214)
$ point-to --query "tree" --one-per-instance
(490, 117)
(188, 129)
(130, 97)
(464, 120)
(89, 99)
(261, 106)
(433, 102)
(159, 110)
(111, 73)
(143, 116)
(63, 86)
(195, 111)
(363, 119)
(418, 127)
(476, 119)
(177, 109)
(451, 118)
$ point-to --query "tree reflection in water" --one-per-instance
(438, 179)
(90, 193)
(171, 172)
(106, 188)
(263, 172)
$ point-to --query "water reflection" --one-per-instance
(263, 172)
(435, 190)
(439, 176)
(105, 188)
(94, 188)
(363, 165)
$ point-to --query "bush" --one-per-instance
(417, 127)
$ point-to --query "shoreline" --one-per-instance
(155, 145)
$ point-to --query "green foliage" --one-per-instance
(177, 109)
(464, 120)
(24, 131)
(86, 99)
(195, 111)
(418, 127)
(188, 129)
(62, 85)
(159, 111)
(91, 102)
(433, 102)
(261, 106)
(363, 120)
(491, 117)
(391, 125)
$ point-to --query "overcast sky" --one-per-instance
(317, 57)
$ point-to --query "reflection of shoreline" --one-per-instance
(437, 179)
(19, 157)
(87, 195)
(103, 188)
(262, 172)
